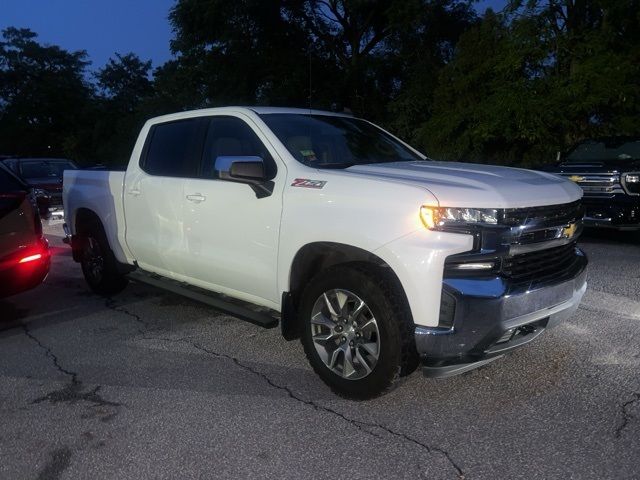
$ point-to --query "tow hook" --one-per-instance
(526, 329)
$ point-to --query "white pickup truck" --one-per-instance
(377, 257)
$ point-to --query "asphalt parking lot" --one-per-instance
(150, 385)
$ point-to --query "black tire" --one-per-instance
(396, 352)
(99, 264)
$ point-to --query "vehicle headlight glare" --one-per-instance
(633, 178)
(439, 218)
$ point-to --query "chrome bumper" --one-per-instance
(493, 317)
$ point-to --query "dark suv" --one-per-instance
(608, 170)
(45, 175)
(24, 252)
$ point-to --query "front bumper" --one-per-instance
(621, 212)
(494, 316)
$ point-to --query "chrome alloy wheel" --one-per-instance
(93, 259)
(345, 334)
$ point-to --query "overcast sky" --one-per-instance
(103, 27)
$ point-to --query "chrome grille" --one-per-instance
(547, 215)
(597, 185)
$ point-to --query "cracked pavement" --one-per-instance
(150, 385)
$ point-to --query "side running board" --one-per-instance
(260, 316)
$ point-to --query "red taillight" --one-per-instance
(31, 258)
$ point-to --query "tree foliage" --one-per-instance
(537, 79)
(510, 87)
(43, 95)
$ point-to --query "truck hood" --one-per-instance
(477, 186)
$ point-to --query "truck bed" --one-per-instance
(100, 191)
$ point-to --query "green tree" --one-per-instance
(354, 54)
(44, 97)
(125, 81)
(125, 88)
(541, 77)
(246, 52)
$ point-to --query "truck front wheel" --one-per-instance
(99, 265)
(352, 330)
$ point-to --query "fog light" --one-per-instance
(635, 178)
(473, 266)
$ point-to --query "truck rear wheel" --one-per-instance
(99, 265)
(352, 330)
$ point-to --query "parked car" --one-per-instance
(377, 257)
(24, 252)
(608, 170)
(45, 175)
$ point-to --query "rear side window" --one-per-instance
(173, 147)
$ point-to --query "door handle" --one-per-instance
(196, 198)
(134, 191)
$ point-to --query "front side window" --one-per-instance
(172, 147)
(325, 141)
(232, 137)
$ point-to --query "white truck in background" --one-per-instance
(379, 259)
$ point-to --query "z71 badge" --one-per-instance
(306, 183)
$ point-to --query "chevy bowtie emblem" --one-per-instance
(576, 178)
(569, 231)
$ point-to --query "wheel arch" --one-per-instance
(82, 220)
(314, 258)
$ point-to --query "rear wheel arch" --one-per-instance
(85, 219)
(102, 271)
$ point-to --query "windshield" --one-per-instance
(325, 141)
(599, 150)
(45, 168)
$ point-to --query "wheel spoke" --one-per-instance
(348, 369)
(371, 348)
(370, 323)
(325, 337)
(320, 319)
(356, 312)
(330, 306)
(362, 361)
(334, 358)
(341, 298)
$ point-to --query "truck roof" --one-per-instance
(258, 110)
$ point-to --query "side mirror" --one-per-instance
(248, 169)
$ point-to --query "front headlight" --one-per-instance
(442, 218)
(631, 182)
